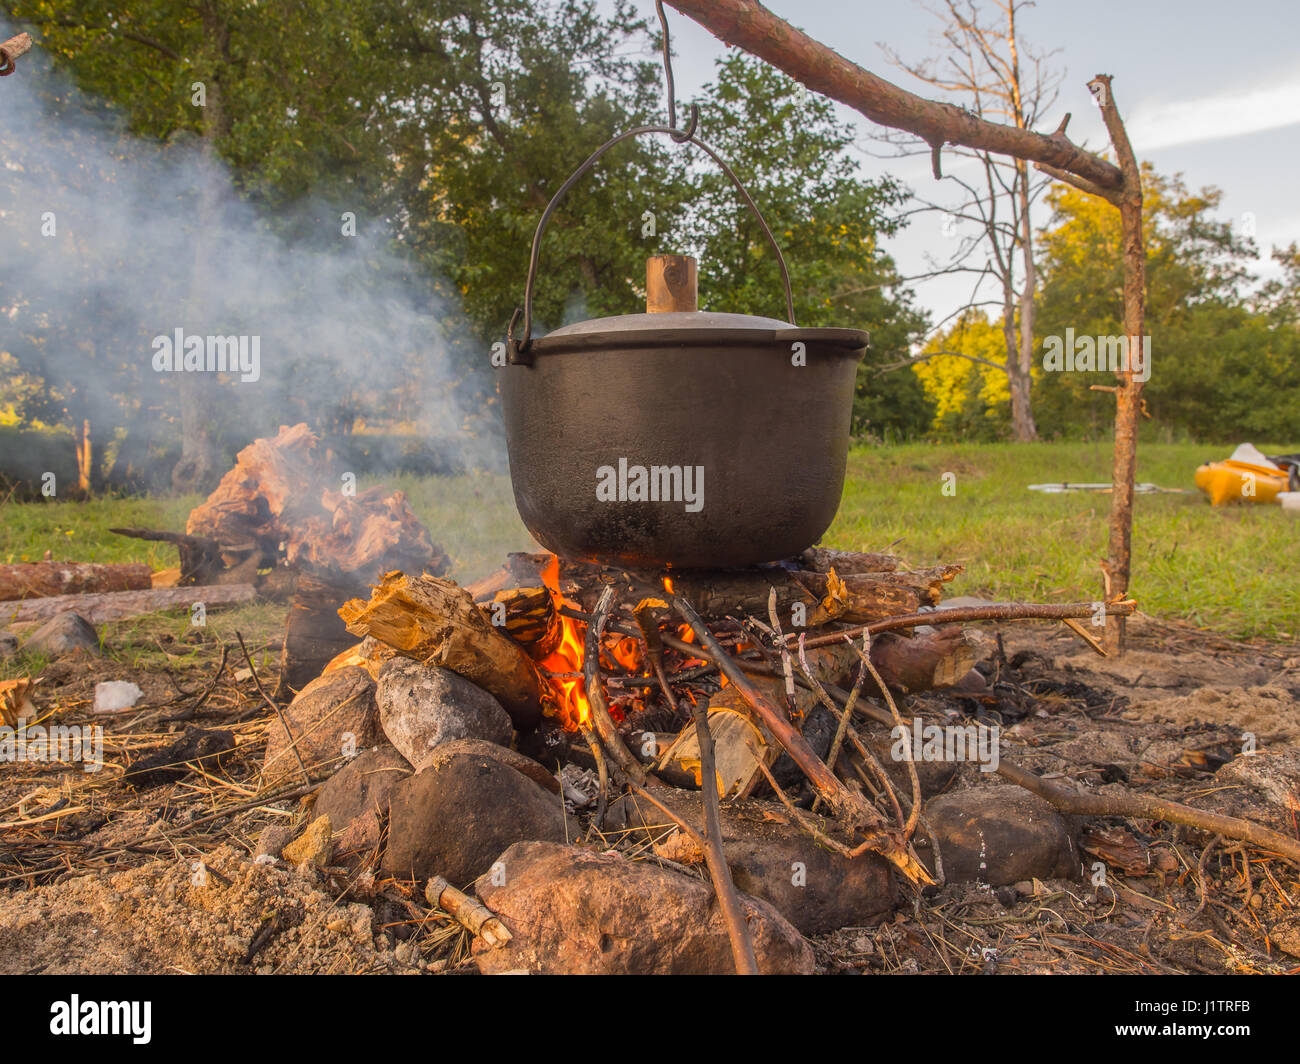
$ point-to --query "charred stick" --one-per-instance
(602, 772)
(601, 721)
(742, 946)
(1069, 800)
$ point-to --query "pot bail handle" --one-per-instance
(517, 348)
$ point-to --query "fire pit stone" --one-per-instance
(422, 707)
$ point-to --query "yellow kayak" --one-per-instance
(1231, 482)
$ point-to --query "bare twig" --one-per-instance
(293, 742)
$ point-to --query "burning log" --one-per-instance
(45, 579)
(435, 621)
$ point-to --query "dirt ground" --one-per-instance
(98, 877)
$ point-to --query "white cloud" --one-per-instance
(1229, 113)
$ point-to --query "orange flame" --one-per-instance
(573, 709)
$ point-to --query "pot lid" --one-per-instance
(672, 320)
(696, 328)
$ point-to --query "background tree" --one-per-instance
(989, 70)
(1223, 364)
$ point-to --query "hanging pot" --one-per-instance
(678, 437)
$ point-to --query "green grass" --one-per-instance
(1235, 570)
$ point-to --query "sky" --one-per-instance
(1208, 89)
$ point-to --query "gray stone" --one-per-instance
(575, 912)
(999, 835)
(8, 645)
(454, 818)
(422, 707)
(63, 633)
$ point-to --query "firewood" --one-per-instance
(736, 739)
(813, 598)
(436, 621)
(844, 562)
(118, 605)
(528, 617)
(45, 579)
(929, 660)
(867, 597)
(467, 911)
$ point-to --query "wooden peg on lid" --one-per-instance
(670, 284)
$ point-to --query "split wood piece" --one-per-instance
(314, 634)
(1009, 611)
(435, 621)
(1070, 800)
(671, 284)
(15, 700)
(469, 912)
(527, 615)
(860, 598)
(119, 605)
(26, 580)
(879, 837)
(201, 560)
(738, 747)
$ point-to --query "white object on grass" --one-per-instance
(113, 696)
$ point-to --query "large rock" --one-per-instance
(772, 858)
(63, 633)
(454, 818)
(355, 799)
(423, 706)
(575, 912)
(999, 835)
(332, 718)
(536, 772)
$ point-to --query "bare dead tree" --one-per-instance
(748, 25)
(983, 70)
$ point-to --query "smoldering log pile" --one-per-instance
(286, 520)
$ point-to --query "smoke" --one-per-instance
(109, 242)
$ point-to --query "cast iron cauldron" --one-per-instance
(680, 438)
